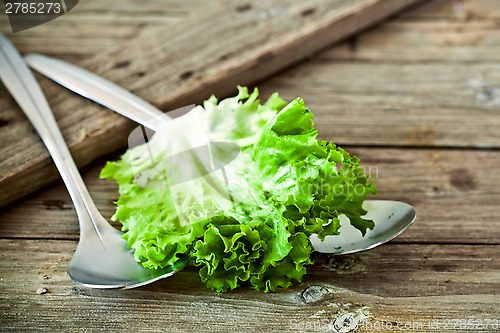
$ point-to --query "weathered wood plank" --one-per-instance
(438, 30)
(411, 81)
(86, 31)
(96, 25)
(455, 192)
(460, 10)
(415, 104)
(444, 281)
(409, 41)
(175, 67)
(116, 21)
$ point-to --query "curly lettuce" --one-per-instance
(243, 216)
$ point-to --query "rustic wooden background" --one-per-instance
(173, 65)
(417, 97)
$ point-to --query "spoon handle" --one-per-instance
(98, 89)
(23, 86)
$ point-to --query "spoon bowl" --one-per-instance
(102, 258)
(391, 219)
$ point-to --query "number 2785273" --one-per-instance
(33, 8)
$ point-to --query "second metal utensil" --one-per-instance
(391, 219)
(101, 259)
(98, 89)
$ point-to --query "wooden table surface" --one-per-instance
(416, 98)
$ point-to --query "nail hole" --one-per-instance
(186, 75)
(122, 64)
(308, 12)
(244, 7)
(224, 57)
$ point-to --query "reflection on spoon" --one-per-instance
(391, 219)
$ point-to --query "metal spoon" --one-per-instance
(391, 217)
(101, 259)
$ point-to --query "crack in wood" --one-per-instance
(57, 204)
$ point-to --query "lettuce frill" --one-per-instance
(250, 221)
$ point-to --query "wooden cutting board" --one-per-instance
(210, 52)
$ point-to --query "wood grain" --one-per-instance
(95, 26)
(394, 283)
(402, 41)
(439, 31)
(456, 201)
(472, 10)
(175, 67)
(445, 267)
(425, 78)
(446, 105)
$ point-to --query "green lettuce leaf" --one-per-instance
(244, 217)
